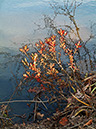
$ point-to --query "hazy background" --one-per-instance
(17, 18)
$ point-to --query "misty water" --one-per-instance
(19, 23)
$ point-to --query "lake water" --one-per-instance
(18, 21)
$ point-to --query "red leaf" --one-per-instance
(38, 79)
(43, 87)
(64, 121)
(79, 46)
(32, 90)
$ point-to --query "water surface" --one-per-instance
(19, 19)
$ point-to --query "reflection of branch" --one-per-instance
(68, 10)
(48, 23)
(11, 96)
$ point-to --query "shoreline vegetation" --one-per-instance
(52, 76)
(80, 109)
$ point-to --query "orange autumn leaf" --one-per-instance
(28, 105)
(40, 51)
(36, 44)
(63, 121)
(88, 123)
(28, 73)
(25, 47)
(40, 115)
(41, 42)
(78, 45)
(25, 75)
(24, 124)
(22, 50)
(25, 62)
(61, 32)
(48, 119)
(53, 37)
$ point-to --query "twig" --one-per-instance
(90, 77)
(74, 126)
(17, 101)
(35, 109)
(90, 127)
(4, 118)
(10, 97)
(43, 103)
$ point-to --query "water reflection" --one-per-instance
(17, 26)
(17, 19)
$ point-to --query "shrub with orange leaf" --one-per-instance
(44, 68)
